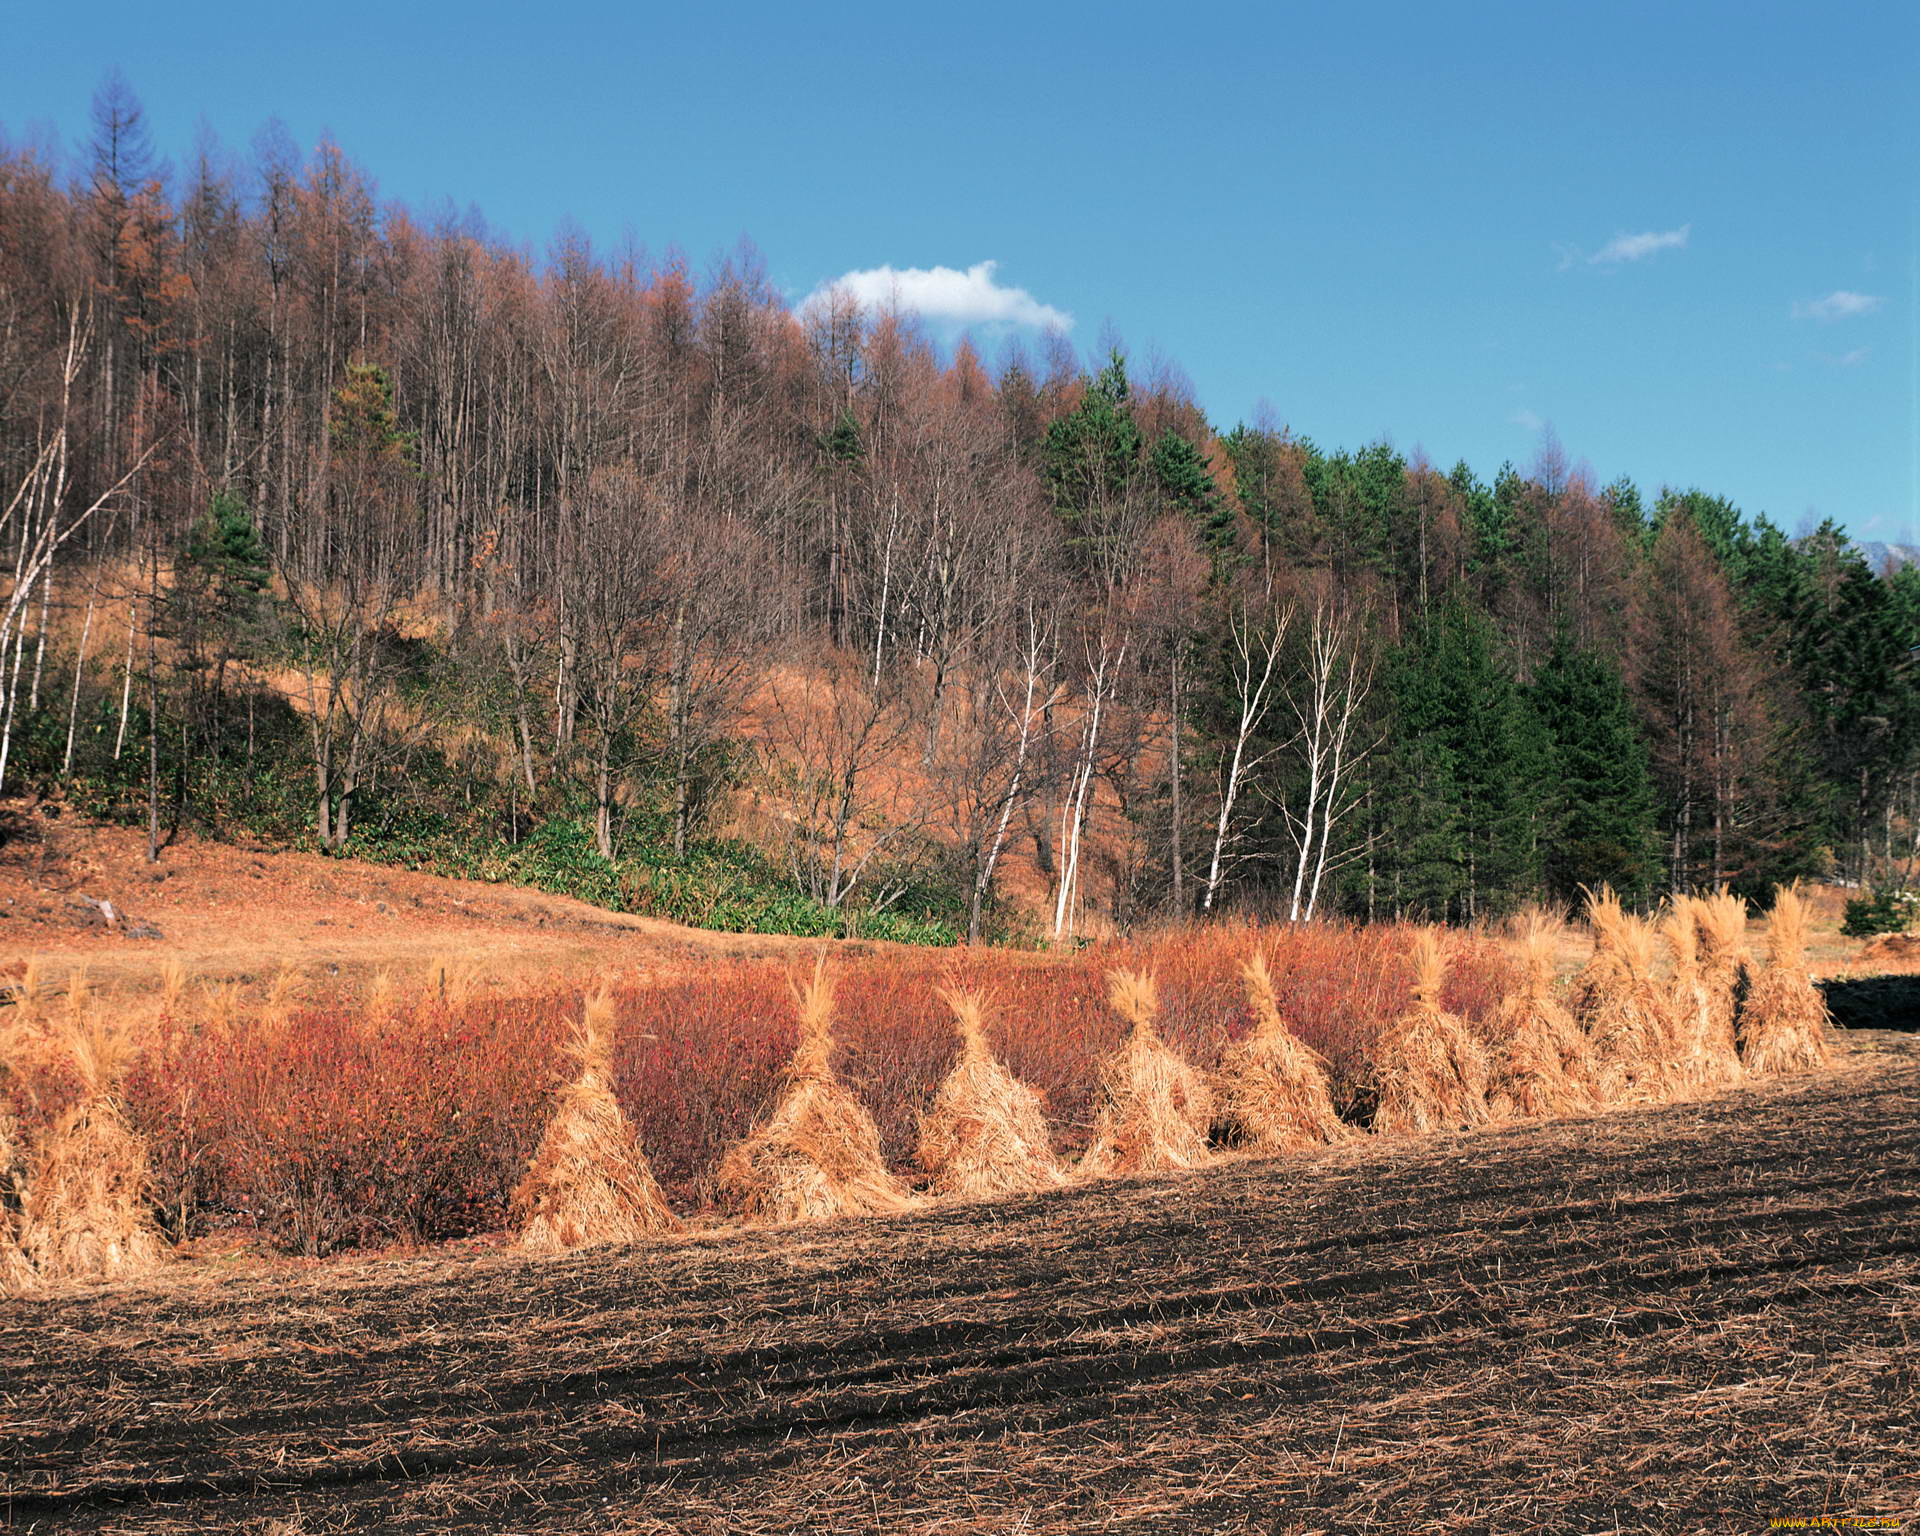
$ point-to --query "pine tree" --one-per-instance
(1599, 824)
(1089, 460)
(225, 553)
(1185, 483)
(1462, 779)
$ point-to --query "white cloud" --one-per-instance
(1841, 304)
(944, 294)
(1530, 421)
(1624, 247)
(1849, 359)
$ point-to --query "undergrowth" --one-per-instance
(344, 1127)
(431, 812)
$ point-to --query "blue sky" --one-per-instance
(1398, 220)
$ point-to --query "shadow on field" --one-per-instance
(1874, 1002)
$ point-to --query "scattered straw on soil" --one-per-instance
(1696, 1317)
(818, 1154)
(1272, 1091)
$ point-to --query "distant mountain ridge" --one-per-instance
(1879, 553)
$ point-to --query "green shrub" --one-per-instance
(1889, 909)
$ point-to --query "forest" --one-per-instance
(332, 523)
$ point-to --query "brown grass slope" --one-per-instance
(818, 1154)
(1155, 1109)
(1544, 1064)
(1623, 1010)
(589, 1181)
(1272, 1091)
(1784, 1026)
(1432, 1069)
(985, 1135)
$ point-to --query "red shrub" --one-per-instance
(333, 1130)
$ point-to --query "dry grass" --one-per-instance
(1155, 1110)
(589, 1181)
(986, 1134)
(1432, 1070)
(1720, 925)
(16, 1274)
(1707, 1056)
(1272, 1091)
(1678, 1320)
(818, 1154)
(85, 1214)
(1544, 1063)
(1623, 1009)
(1783, 1027)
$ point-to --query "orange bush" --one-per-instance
(335, 1131)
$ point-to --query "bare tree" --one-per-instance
(1255, 641)
(1329, 703)
(837, 735)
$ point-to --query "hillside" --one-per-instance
(238, 913)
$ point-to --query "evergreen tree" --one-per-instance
(226, 560)
(1599, 822)
(1089, 460)
(1462, 777)
(1185, 483)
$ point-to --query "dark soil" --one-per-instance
(1692, 1318)
(1874, 1002)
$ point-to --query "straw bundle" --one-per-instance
(1155, 1110)
(1720, 926)
(85, 1215)
(1432, 1069)
(1622, 1009)
(985, 1135)
(818, 1153)
(1272, 1092)
(589, 1182)
(1784, 1026)
(16, 1274)
(1544, 1066)
(1706, 1060)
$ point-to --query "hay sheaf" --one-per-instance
(818, 1154)
(85, 1214)
(1707, 1058)
(1784, 1026)
(1272, 1091)
(1625, 1013)
(589, 1181)
(1544, 1066)
(985, 1134)
(1431, 1068)
(16, 1274)
(1155, 1109)
(1720, 930)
